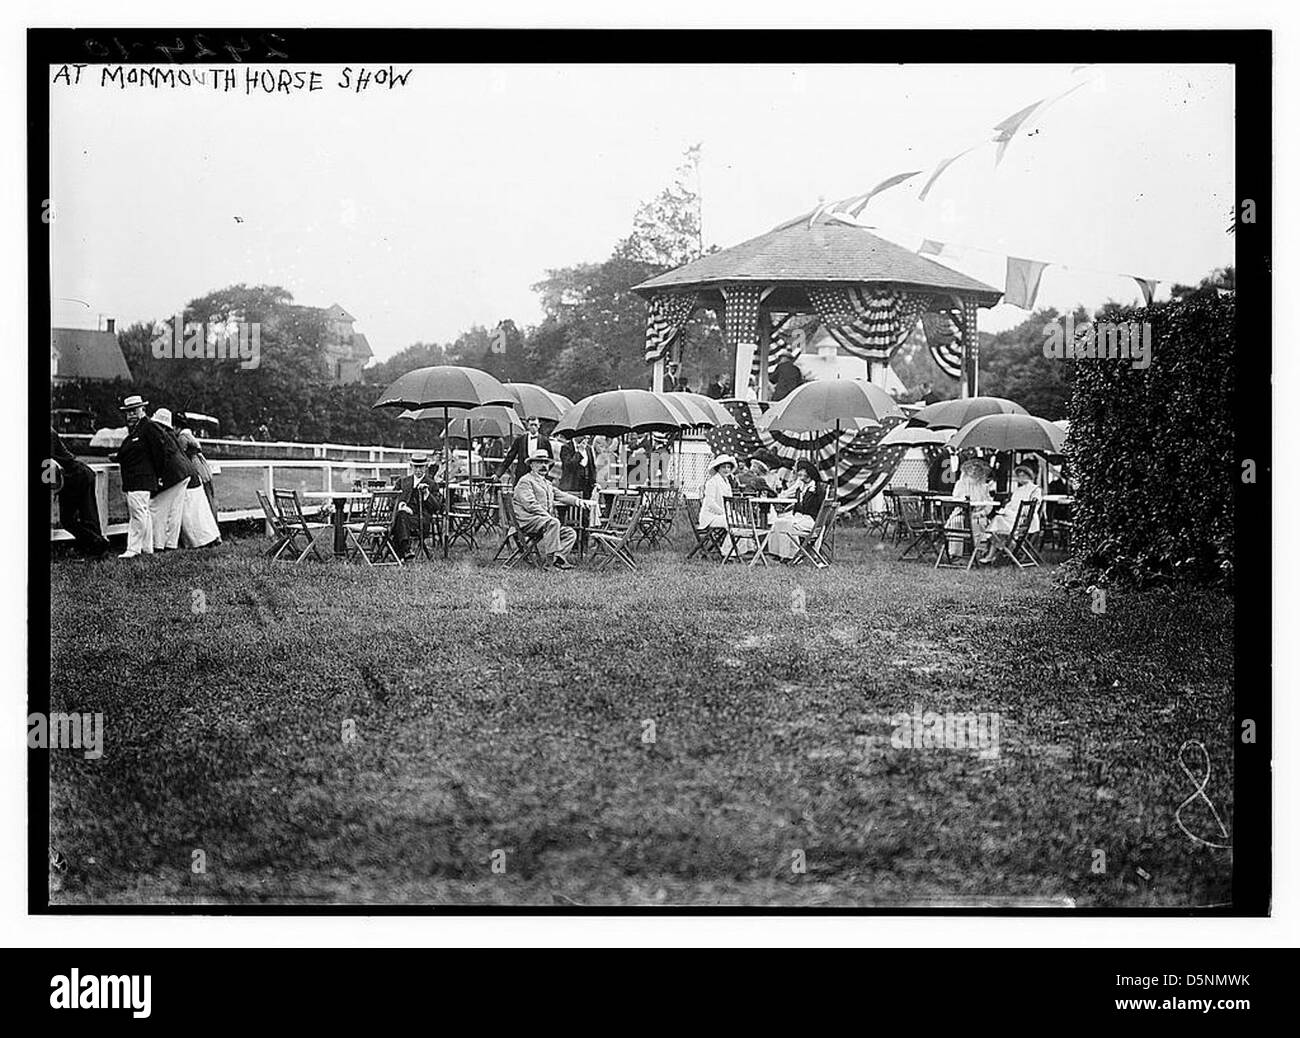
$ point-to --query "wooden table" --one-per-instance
(340, 499)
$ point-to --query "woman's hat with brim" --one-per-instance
(720, 460)
(132, 402)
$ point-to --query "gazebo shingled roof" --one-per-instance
(826, 253)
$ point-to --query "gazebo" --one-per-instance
(868, 292)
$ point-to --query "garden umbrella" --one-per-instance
(445, 386)
(493, 420)
(953, 414)
(532, 401)
(832, 404)
(915, 436)
(1010, 432)
(618, 412)
(721, 416)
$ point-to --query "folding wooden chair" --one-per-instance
(919, 524)
(743, 530)
(613, 538)
(810, 546)
(522, 547)
(708, 542)
(463, 519)
(1018, 549)
(372, 537)
(290, 524)
(963, 535)
(658, 509)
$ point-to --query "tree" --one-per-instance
(1012, 365)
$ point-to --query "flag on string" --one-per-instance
(853, 206)
(929, 247)
(1023, 276)
(1007, 128)
(938, 171)
(1148, 286)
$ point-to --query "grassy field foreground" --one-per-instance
(688, 734)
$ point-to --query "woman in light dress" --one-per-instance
(972, 486)
(808, 494)
(1000, 526)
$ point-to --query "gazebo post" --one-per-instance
(657, 379)
(970, 342)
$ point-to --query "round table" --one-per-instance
(340, 499)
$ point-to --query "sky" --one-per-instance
(429, 207)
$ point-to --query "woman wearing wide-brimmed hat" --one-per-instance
(972, 486)
(198, 527)
(808, 494)
(717, 488)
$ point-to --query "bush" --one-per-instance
(1152, 451)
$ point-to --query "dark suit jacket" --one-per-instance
(150, 460)
(518, 454)
(575, 478)
(428, 492)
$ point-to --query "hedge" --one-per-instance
(1151, 451)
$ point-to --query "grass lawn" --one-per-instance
(524, 727)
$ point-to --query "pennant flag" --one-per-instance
(930, 247)
(1007, 128)
(938, 171)
(1023, 276)
(855, 205)
(1148, 286)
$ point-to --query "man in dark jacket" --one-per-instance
(524, 447)
(421, 501)
(78, 512)
(578, 467)
(154, 478)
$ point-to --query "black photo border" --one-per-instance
(1250, 52)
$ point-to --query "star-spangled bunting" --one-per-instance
(865, 467)
(868, 325)
(666, 315)
(741, 321)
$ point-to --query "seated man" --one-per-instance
(534, 501)
(421, 502)
(753, 480)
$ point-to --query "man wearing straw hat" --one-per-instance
(146, 471)
(534, 500)
(420, 501)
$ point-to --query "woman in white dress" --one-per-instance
(717, 488)
(973, 486)
(999, 528)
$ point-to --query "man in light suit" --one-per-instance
(524, 447)
(534, 501)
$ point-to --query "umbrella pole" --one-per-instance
(835, 486)
(446, 478)
(469, 444)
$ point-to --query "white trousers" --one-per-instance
(168, 506)
(139, 534)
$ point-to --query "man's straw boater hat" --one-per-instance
(539, 456)
(419, 459)
(132, 402)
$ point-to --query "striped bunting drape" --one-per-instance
(865, 467)
(783, 344)
(943, 335)
(666, 316)
(866, 324)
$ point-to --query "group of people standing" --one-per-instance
(167, 483)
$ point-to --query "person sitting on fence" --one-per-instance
(808, 494)
(421, 501)
(972, 486)
(78, 510)
(534, 499)
(1000, 526)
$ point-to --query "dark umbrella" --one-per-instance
(1010, 432)
(532, 401)
(953, 414)
(832, 404)
(618, 412)
(446, 386)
